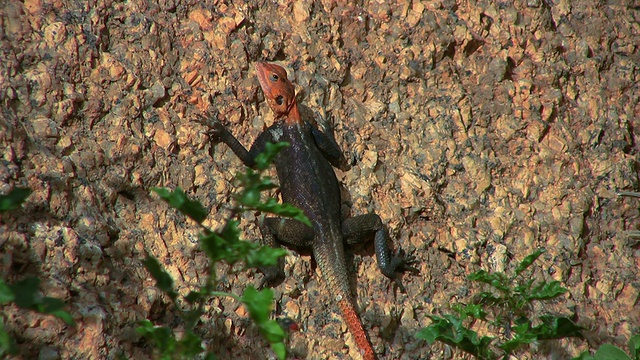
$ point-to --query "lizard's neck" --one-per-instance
(293, 117)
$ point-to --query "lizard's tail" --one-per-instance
(355, 326)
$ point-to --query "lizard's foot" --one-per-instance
(216, 129)
(273, 275)
(401, 263)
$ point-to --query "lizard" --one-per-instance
(308, 181)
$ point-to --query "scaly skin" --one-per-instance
(308, 181)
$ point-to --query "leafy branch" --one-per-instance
(225, 246)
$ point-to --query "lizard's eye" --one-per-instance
(274, 77)
(279, 99)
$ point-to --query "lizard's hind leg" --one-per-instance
(276, 231)
(361, 228)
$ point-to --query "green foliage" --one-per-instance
(13, 199)
(504, 305)
(178, 200)
(226, 246)
(167, 345)
(25, 293)
(611, 352)
(451, 330)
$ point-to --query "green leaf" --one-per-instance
(193, 296)
(264, 159)
(226, 245)
(210, 356)
(450, 330)
(164, 281)
(272, 331)
(429, 334)
(285, 209)
(584, 356)
(190, 344)
(634, 347)
(522, 335)
(554, 327)
(610, 352)
(497, 280)
(13, 199)
(258, 303)
(214, 246)
(56, 307)
(162, 337)
(475, 311)
(178, 200)
(527, 261)
(27, 296)
(279, 349)
(264, 256)
(26, 292)
(250, 198)
(546, 291)
(489, 298)
(7, 346)
(6, 294)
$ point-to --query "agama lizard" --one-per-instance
(308, 181)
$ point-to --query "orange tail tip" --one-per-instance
(355, 327)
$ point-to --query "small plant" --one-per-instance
(24, 293)
(610, 352)
(223, 245)
(505, 306)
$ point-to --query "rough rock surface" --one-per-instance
(478, 131)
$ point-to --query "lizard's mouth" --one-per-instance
(261, 74)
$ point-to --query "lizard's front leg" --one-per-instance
(360, 228)
(220, 133)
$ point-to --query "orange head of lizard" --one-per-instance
(278, 91)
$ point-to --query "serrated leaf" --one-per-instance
(178, 200)
(14, 199)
